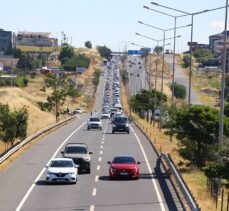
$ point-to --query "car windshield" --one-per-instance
(94, 119)
(121, 120)
(124, 159)
(77, 150)
(61, 163)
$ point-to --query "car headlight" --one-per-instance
(72, 174)
(127, 125)
(49, 174)
(87, 159)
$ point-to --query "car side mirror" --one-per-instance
(108, 162)
(46, 166)
(138, 162)
(90, 153)
(76, 166)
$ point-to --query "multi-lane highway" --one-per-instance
(23, 186)
(137, 74)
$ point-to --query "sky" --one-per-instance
(113, 23)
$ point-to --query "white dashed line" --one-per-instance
(101, 152)
(94, 192)
(101, 147)
(92, 207)
(98, 167)
(100, 158)
(102, 142)
(96, 178)
(150, 170)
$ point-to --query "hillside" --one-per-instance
(29, 96)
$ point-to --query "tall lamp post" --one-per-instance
(163, 59)
(190, 46)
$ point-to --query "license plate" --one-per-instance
(61, 180)
(124, 173)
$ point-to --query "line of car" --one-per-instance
(76, 157)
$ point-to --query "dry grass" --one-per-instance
(196, 180)
(16, 98)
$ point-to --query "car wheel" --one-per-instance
(89, 171)
(113, 132)
(88, 128)
(128, 131)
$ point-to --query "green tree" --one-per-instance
(197, 129)
(104, 51)
(202, 55)
(13, 125)
(66, 53)
(186, 61)
(158, 49)
(76, 61)
(88, 44)
(179, 90)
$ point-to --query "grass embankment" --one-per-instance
(16, 98)
(37, 49)
(196, 180)
(205, 84)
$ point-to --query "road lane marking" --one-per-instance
(92, 207)
(150, 171)
(43, 170)
(96, 178)
(102, 142)
(98, 167)
(101, 147)
(94, 192)
(100, 158)
(100, 152)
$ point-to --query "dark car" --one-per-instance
(124, 166)
(80, 155)
(120, 124)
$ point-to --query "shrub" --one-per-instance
(179, 91)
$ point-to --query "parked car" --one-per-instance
(61, 170)
(120, 124)
(94, 123)
(80, 155)
(124, 166)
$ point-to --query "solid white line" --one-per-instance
(100, 158)
(96, 178)
(101, 147)
(100, 152)
(42, 171)
(150, 170)
(92, 207)
(98, 167)
(94, 192)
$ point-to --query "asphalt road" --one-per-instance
(22, 185)
(137, 76)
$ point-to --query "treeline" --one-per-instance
(70, 59)
(196, 128)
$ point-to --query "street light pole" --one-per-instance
(220, 143)
(185, 14)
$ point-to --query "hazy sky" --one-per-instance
(111, 23)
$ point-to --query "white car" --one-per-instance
(61, 170)
(78, 111)
(105, 115)
(94, 123)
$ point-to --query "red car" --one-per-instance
(124, 166)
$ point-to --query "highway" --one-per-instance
(137, 77)
(23, 187)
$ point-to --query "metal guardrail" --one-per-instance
(182, 186)
(30, 138)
